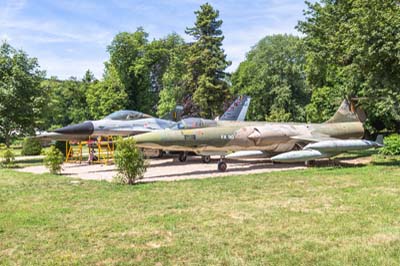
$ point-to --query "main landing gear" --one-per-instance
(182, 157)
(222, 166)
(206, 158)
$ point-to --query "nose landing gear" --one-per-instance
(222, 166)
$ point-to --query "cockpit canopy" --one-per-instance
(194, 122)
(126, 115)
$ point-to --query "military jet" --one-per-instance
(128, 123)
(285, 142)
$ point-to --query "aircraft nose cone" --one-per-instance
(85, 128)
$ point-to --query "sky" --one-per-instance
(69, 37)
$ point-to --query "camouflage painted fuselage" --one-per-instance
(235, 136)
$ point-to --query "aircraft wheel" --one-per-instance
(182, 157)
(206, 159)
(310, 163)
(160, 154)
(222, 166)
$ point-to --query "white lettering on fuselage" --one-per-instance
(227, 137)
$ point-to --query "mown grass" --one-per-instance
(320, 216)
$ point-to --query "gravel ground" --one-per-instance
(170, 169)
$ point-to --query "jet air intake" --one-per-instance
(268, 135)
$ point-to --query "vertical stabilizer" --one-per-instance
(347, 112)
(238, 109)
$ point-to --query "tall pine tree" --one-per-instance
(205, 80)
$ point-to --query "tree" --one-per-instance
(173, 89)
(20, 92)
(205, 80)
(107, 96)
(273, 75)
(66, 101)
(353, 50)
(127, 52)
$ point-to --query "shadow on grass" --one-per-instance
(387, 162)
(356, 154)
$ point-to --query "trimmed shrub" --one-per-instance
(392, 145)
(130, 162)
(7, 159)
(53, 160)
(31, 146)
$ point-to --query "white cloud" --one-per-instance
(66, 67)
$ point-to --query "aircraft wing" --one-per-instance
(312, 138)
(130, 131)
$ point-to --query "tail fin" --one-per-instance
(174, 115)
(347, 112)
(238, 109)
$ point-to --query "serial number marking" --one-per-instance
(190, 137)
(230, 137)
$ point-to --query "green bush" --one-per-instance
(7, 159)
(53, 160)
(31, 146)
(392, 145)
(61, 145)
(130, 161)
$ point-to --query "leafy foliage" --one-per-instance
(20, 92)
(353, 50)
(66, 101)
(273, 75)
(7, 158)
(31, 146)
(130, 161)
(205, 79)
(173, 89)
(105, 97)
(392, 145)
(53, 160)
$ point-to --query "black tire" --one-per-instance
(182, 157)
(310, 163)
(206, 159)
(222, 166)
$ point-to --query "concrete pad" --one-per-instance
(170, 169)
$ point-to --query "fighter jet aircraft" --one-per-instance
(286, 142)
(128, 123)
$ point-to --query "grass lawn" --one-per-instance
(320, 216)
